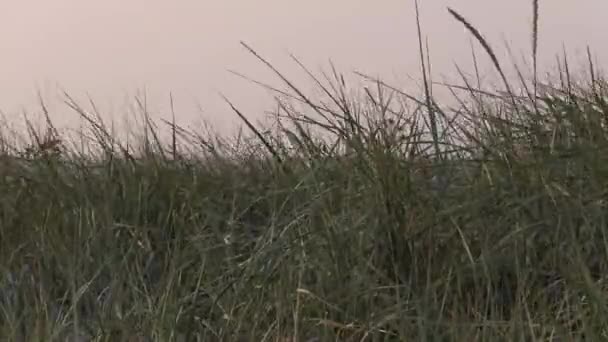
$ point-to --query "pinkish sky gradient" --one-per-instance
(110, 49)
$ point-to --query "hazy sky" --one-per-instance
(110, 49)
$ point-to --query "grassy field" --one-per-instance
(373, 217)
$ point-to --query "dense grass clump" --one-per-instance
(380, 217)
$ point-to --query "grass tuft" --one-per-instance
(359, 215)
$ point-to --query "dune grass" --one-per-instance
(379, 217)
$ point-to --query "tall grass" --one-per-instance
(379, 217)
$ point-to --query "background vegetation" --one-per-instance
(379, 216)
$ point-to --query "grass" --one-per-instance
(371, 217)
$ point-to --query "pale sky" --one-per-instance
(110, 49)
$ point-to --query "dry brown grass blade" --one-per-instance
(486, 46)
(173, 127)
(427, 92)
(284, 79)
(318, 109)
(255, 131)
(535, 47)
